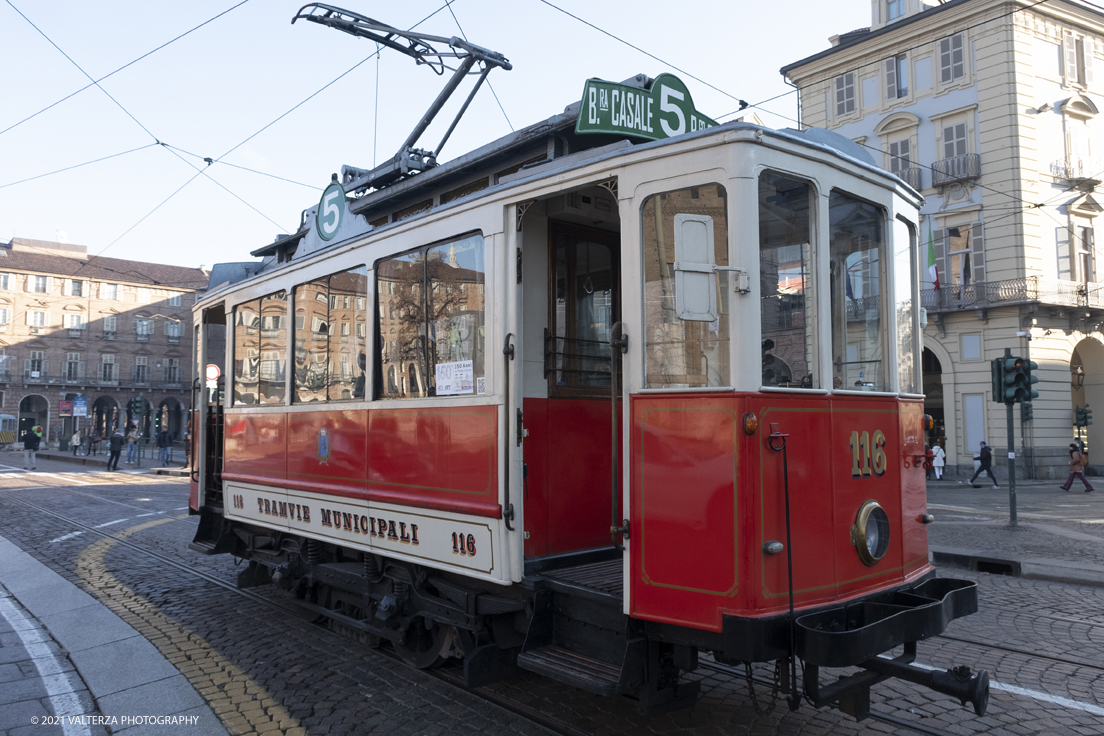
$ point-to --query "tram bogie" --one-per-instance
(591, 408)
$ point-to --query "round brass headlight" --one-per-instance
(870, 534)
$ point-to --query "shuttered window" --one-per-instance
(845, 94)
(952, 61)
(1078, 59)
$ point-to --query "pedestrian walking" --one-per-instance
(938, 461)
(115, 449)
(132, 445)
(75, 441)
(1078, 461)
(986, 465)
(164, 444)
(94, 442)
(31, 442)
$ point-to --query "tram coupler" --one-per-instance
(957, 682)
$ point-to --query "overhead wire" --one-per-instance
(489, 85)
(124, 66)
(77, 166)
(210, 160)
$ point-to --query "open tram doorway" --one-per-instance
(571, 297)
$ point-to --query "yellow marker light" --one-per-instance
(751, 423)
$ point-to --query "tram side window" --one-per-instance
(857, 274)
(330, 315)
(686, 337)
(905, 287)
(260, 350)
(431, 308)
(786, 286)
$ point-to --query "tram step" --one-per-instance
(593, 675)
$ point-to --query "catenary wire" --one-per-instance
(489, 85)
(235, 166)
(124, 66)
(76, 166)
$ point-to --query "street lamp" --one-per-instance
(1078, 377)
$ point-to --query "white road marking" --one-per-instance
(70, 535)
(1096, 710)
(953, 508)
(153, 513)
(182, 508)
(117, 521)
(60, 688)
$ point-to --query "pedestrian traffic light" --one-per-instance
(1017, 380)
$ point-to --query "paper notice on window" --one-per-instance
(455, 378)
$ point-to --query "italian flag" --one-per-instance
(933, 272)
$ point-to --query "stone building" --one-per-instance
(988, 108)
(104, 330)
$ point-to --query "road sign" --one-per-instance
(213, 372)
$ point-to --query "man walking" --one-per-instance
(986, 465)
(132, 446)
(1077, 463)
(115, 449)
(164, 443)
(31, 443)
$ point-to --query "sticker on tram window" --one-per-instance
(868, 457)
(455, 378)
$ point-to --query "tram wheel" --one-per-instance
(421, 647)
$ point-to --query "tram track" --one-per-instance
(451, 677)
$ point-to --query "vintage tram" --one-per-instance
(534, 407)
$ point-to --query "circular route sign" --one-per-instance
(213, 372)
(331, 208)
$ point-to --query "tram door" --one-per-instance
(208, 397)
(567, 406)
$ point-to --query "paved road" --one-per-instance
(262, 670)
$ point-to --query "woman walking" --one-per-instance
(938, 461)
(1078, 461)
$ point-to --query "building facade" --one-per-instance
(988, 108)
(89, 335)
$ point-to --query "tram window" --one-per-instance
(329, 356)
(905, 286)
(857, 263)
(586, 295)
(786, 289)
(683, 353)
(434, 318)
(260, 347)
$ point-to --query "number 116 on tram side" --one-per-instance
(592, 401)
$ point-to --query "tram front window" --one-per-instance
(857, 263)
(686, 347)
(785, 286)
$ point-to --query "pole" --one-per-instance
(1011, 455)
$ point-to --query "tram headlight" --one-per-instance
(870, 534)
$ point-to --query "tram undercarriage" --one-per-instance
(566, 623)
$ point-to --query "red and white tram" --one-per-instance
(535, 407)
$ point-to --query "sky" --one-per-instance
(212, 92)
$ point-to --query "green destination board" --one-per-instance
(663, 111)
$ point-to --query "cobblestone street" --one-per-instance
(245, 662)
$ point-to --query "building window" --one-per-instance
(144, 295)
(4, 281)
(35, 366)
(109, 327)
(1078, 60)
(954, 140)
(896, 71)
(143, 327)
(36, 318)
(173, 330)
(952, 62)
(74, 321)
(174, 299)
(172, 370)
(38, 284)
(109, 292)
(76, 288)
(107, 367)
(1085, 262)
(5, 315)
(895, 9)
(959, 249)
(141, 369)
(899, 152)
(845, 94)
(72, 366)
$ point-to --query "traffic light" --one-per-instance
(1078, 416)
(1088, 416)
(768, 361)
(1026, 411)
(1017, 380)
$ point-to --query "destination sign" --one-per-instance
(662, 111)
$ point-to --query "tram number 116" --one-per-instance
(463, 545)
(868, 456)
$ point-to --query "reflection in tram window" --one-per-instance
(330, 321)
(905, 286)
(686, 347)
(431, 321)
(857, 262)
(260, 347)
(786, 288)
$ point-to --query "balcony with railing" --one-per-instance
(1024, 290)
(959, 168)
(911, 176)
(1077, 169)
